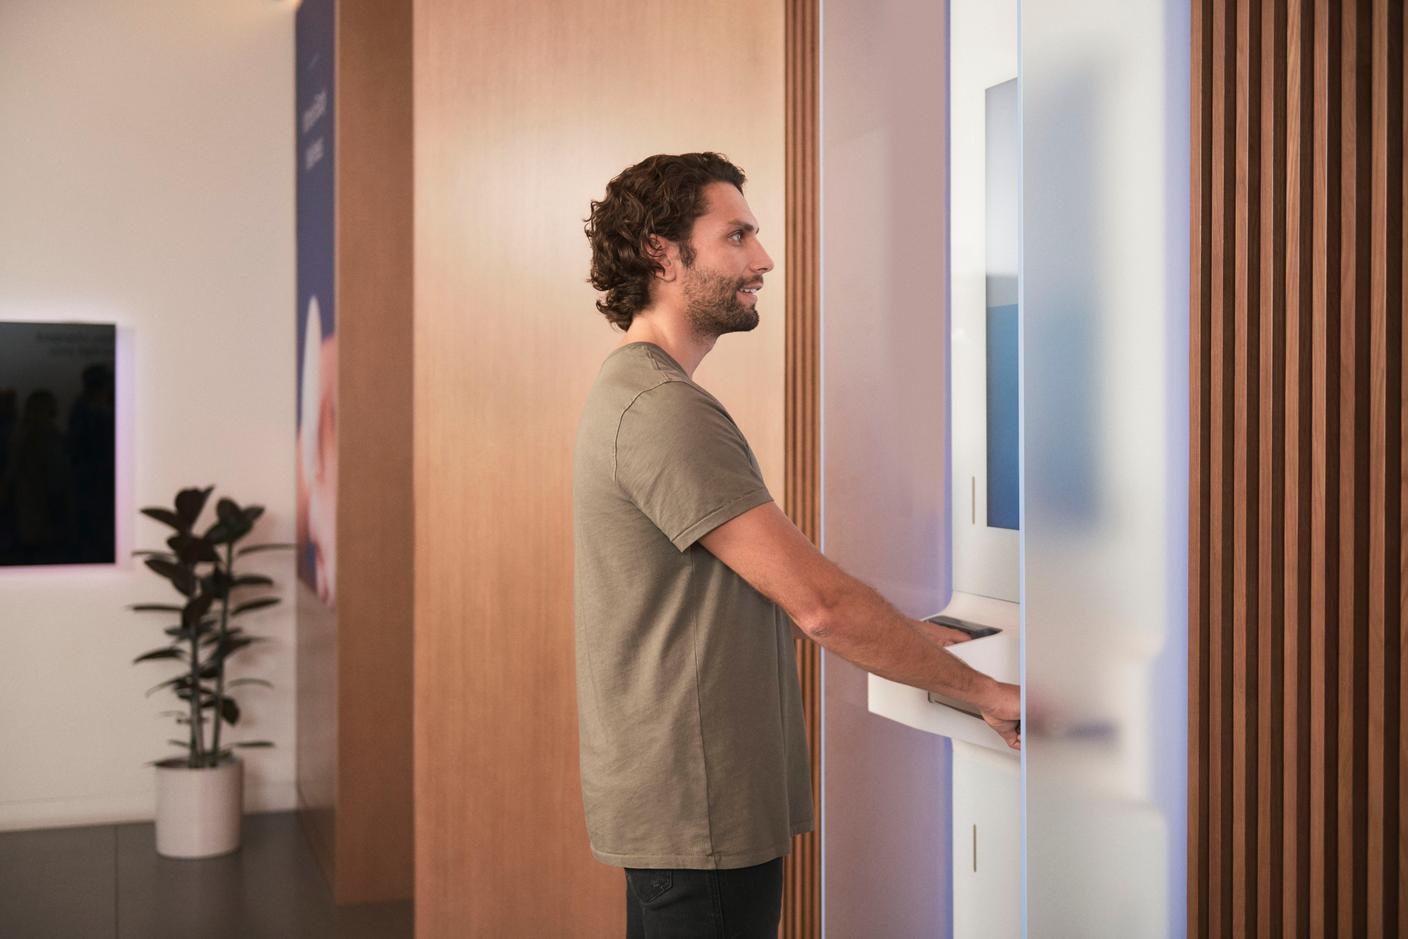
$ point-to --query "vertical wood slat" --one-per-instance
(1396, 879)
(1243, 598)
(1397, 875)
(801, 917)
(1378, 456)
(1318, 467)
(1344, 631)
(1294, 507)
(1270, 423)
(1218, 580)
(1297, 510)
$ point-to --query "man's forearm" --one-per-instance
(862, 628)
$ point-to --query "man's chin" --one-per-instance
(746, 326)
(744, 321)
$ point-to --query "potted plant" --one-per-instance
(200, 793)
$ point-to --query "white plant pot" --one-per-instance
(198, 811)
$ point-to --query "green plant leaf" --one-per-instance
(226, 648)
(252, 580)
(184, 744)
(251, 549)
(230, 711)
(235, 643)
(181, 578)
(253, 743)
(216, 583)
(256, 604)
(205, 626)
(196, 608)
(156, 554)
(168, 652)
(252, 513)
(229, 510)
(171, 762)
(178, 682)
(163, 515)
(156, 607)
(189, 503)
(248, 681)
(232, 522)
(192, 549)
(230, 633)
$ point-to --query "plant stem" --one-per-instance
(197, 728)
(219, 647)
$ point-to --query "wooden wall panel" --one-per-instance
(523, 112)
(801, 915)
(375, 531)
(1296, 527)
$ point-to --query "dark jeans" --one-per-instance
(744, 903)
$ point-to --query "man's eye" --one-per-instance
(738, 235)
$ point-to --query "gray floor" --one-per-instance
(108, 881)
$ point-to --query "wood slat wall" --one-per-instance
(801, 912)
(1296, 581)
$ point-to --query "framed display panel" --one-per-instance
(57, 443)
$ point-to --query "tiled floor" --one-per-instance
(107, 882)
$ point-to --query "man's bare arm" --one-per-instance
(847, 617)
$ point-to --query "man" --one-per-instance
(689, 578)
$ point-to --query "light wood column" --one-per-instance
(523, 113)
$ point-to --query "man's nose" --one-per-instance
(763, 263)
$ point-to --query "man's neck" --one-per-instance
(672, 335)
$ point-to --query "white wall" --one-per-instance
(146, 179)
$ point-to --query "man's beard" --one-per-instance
(712, 305)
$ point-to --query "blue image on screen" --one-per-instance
(1002, 171)
(1003, 493)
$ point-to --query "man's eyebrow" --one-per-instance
(746, 226)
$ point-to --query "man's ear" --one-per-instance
(657, 249)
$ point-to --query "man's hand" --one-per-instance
(944, 636)
(1004, 712)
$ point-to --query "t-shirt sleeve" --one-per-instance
(684, 463)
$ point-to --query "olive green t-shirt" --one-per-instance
(693, 747)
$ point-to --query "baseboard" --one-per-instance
(118, 808)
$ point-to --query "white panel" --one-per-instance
(1104, 345)
(987, 842)
(885, 511)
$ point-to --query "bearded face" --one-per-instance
(716, 303)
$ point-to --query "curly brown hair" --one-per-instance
(661, 195)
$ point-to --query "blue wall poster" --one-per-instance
(316, 459)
